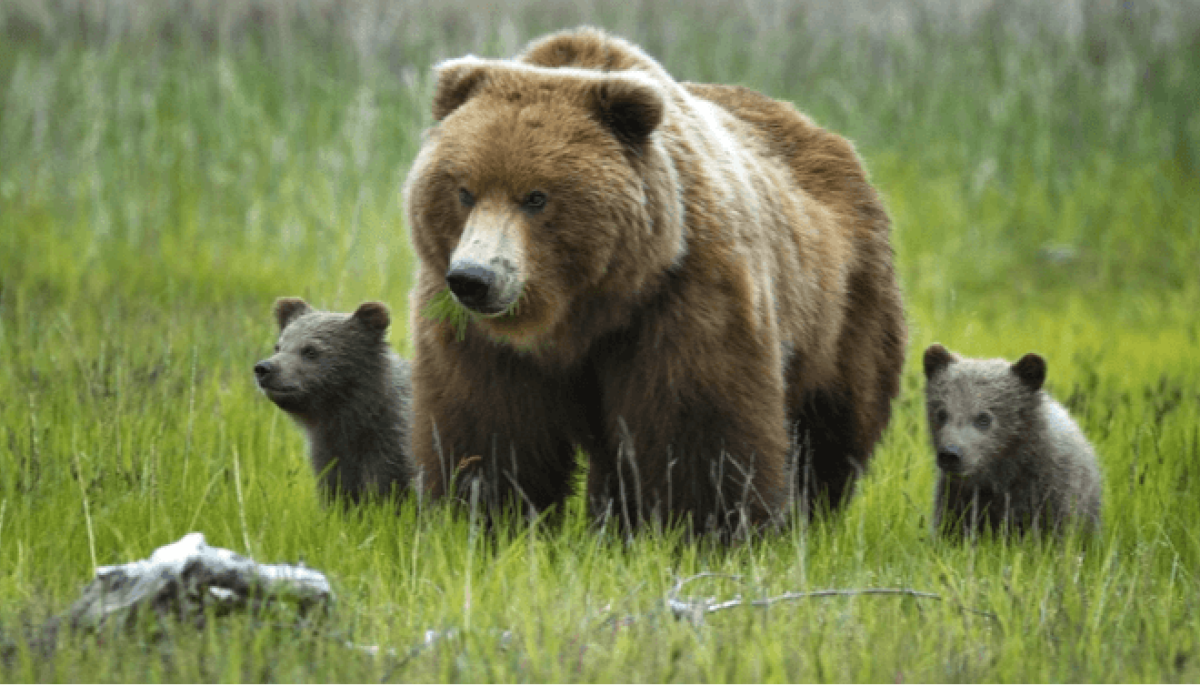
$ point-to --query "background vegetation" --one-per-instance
(168, 169)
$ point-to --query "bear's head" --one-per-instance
(979, 409)
(322, 358)
(541, 188)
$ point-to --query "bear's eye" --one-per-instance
(276, 347)
(535, 201)
(310, 352)
(983, 421)
(465, 197)
(941, 415)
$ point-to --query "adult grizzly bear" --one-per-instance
(692, 283)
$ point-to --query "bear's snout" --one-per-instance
(479, 288)
(263, 369)
(472, 284)
(949, 459)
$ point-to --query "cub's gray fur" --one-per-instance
(337, 377)
(1010, 457)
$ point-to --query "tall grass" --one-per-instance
(167, 170)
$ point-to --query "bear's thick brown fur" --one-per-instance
(691, 282)
(351, 393)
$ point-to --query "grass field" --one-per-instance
(168, 169)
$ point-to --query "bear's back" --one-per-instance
(823, 163)
(1075, 476)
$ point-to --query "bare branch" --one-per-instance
(695, 609)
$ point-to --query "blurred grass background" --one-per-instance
(168, 169)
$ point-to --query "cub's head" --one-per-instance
(539, 186)
(979, 409)
(321, 357)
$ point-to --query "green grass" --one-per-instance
(166, 173)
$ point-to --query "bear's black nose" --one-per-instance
(263, 369)
(472, 283)
(949, 459)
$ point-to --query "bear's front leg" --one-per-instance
(692, 441)
(485, 419)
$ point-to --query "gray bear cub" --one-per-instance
(336, 376)
(1010, 458)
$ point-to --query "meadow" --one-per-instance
(168, 169)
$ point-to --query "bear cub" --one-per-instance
(1010, 457)
(336, 376)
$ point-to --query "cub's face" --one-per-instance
(321, 356)
(978, 409)
(528, 193)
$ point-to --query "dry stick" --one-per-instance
(694, 610)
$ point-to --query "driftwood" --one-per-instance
(185, 577)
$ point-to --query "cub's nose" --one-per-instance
(949, 459)
(263, 369)
(473, 284)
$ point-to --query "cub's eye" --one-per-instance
(941, 416)
(535, 201)
(310, 352)
(983, 421)
(276, 347)
(465, 197)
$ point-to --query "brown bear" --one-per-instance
(1011, 459)
(337, 377)
(691, 283)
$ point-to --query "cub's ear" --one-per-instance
(1031, 370)
(288, 309)
(457, 81)
(374, 316)
(630, 105)
(937, 358)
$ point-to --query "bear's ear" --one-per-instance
(287, 309)
(937, 358)
(630, 106)
(374, 316)
(457, 81)
(1031, 370)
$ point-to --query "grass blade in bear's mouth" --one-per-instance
(500, 310)
(490, 312)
